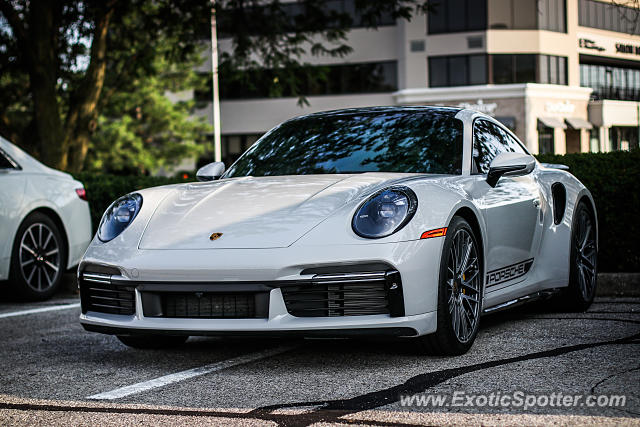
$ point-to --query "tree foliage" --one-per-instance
(62, 61)
(142, 129)
(65, 65)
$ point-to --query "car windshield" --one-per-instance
(408, 140)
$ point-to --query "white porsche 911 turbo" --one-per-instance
(45, 225)
(402, 221)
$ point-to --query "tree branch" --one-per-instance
(14, 20)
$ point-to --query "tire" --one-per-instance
(583, 262)
(147, 342)
(460, 289)
(38, 258)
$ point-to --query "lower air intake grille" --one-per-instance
(209, 306)
(98, 294)
(349, 294)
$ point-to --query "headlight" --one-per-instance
(385, 212)
(118, 216)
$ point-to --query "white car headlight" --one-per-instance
(384, 213)
(118, 216)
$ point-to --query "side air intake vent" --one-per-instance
(559, 194)
(99, 294)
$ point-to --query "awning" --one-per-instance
(552, 122)
(578, 123)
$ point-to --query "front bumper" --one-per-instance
(416, 261)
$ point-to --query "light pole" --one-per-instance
(217, 146)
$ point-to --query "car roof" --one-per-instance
(25, 161)
(382, 110)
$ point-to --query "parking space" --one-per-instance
(51, 366)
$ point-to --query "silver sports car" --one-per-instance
(403, 221)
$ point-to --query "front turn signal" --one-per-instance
(438, 232)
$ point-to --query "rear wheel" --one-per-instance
(459, 292)
(38, 258)
(153, 341)
(583, 269)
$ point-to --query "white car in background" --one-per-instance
(45, 225)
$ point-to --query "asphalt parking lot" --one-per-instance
(53, 372)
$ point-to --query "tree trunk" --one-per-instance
(83, 113)
(42, 41)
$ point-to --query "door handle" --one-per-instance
(536, 203)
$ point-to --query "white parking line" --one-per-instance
(189, 373)
(39, 310)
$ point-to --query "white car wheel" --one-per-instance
(38, 258)
(459, 292)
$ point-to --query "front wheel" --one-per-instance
(583, 268)
(459, 292)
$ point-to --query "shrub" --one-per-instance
(103, 189)
(612, 179)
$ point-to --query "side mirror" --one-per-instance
(510, 164)
(210, 172)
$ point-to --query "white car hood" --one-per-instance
(261, 212)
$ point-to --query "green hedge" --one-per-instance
(103, 189)
(611, 177)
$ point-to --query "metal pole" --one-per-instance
(217, 145)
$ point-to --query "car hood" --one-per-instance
(253, 212)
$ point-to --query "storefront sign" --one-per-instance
(590, 44)
(627, 48)
(564, 107)
(480, 106)
(594, 44)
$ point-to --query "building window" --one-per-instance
(609, 82)
(513, 68)
(471, 15)
(623, 138)
(609, 16)
(298, 16)
(546, 143)
(464, 70)
(552, 69)
(450, 16)
(459, 70)
(528, 15)
(372, 77)
(594, 140)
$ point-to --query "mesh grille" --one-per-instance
(106, 298)
(337, 298)
(209, 306)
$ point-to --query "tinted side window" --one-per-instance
(488, 141)
(487, 144)
(4, 162)
(512, 145)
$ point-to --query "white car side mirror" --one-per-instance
(510, 164)
(210, 172)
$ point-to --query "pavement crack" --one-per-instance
(613, 376)
(340, 407)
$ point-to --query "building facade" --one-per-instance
(564, 75)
